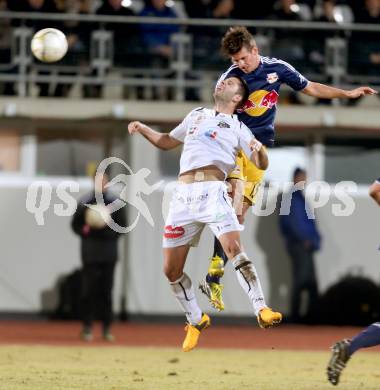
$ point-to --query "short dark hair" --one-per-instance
(243, 91)
(298, 171)
(235, 39)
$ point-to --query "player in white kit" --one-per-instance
(211, 139)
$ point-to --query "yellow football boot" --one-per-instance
(216, 267)
(268, 318)
(193, 333)
(213, 291)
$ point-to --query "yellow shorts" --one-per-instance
(247, 171)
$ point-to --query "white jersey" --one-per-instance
(211, 138)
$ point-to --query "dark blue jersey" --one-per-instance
(264, 83)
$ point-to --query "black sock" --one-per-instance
(218, 251)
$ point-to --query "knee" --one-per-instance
(241, 219)
(172, 273)
(232, 249)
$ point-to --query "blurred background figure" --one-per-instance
(78, 39)
(261, 10)
(33, 6)
(99, 253)
(126, 40)
(315, 42)
(366, 58)
(286, 10)
(125, 36)
(6, 88)
(156, 39)
(302, 240)
(206, 51)
(289, 46)
(317, 39)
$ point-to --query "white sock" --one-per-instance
(184, 293)
(249, 281)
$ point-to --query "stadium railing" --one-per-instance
(321, 51)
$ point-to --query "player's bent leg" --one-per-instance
(344, 349)
(183, 290)
(249, 280)
(196, 320)
(230, 242)
(211, 287)
(216, 267)
(174, 261)
(246, 205)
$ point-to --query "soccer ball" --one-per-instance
(49, 45)
(97, 216)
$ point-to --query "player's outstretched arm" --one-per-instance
(259, 156)
(160, 140)
(326, 92)
(374, 191)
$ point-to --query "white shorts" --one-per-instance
(195, 205)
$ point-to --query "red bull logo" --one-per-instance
(259, 102)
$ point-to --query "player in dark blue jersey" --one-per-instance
(369, 337)
(263, 77)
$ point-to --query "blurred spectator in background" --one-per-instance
(224, 9)
(77, 33)
(365, 58)
(125, 38)
(245, 10)
(124, 35)
(302, 240)
(286, 10)
(327, 14)
(238, 9)
(99, 251)
(33, 6)
(355, 5)
(78, 38)
(288, 44)
(315, 42)
(310, 3)
(156, 39)
(206, 39)
(209, 8)
(6, 88)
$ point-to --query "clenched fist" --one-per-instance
(135, 127)
(255, 145)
